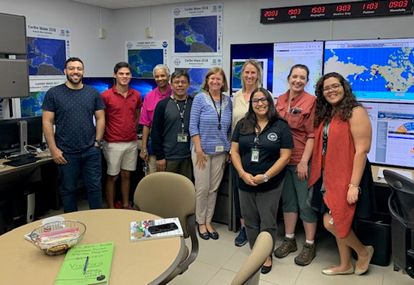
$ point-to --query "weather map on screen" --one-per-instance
(392, 133)
(378, 70)
(288, 54)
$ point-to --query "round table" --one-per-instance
(142, 262)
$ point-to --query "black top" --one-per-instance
(273, 138)
(74, 114)
(167, 125)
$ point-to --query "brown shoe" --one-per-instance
(288, 245)
(306, 256)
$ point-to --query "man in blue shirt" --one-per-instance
(75, 142)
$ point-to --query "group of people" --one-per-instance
(310, 151)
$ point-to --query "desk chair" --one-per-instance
(401, 207)
(249, 272)
(168, 195)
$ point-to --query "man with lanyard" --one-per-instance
(74, 143)
(169, 132)
(121, 145)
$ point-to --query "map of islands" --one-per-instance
(375, 73)
(143, 61)
(46, 56)
(196, 34)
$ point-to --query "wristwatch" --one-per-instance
(99, 143)
(265, 177)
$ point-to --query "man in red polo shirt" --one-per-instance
(121, 146)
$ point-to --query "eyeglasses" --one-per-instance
(71, 68)
(257, 100)
(178, 82)
(332, 87)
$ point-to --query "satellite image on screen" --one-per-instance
(46, 56)
(143, 61)
(196, 34)
(377, 71)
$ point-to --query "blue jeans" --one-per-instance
(87, 163)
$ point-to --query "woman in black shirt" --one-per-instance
(261, 149)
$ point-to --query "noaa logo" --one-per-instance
(176, 11)
(129, 45)
(272, 137)
(177, 61)
(164, 44)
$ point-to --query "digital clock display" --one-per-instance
(337, 11)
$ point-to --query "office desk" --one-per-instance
(6, 170)
(142, 262)
(381, 181)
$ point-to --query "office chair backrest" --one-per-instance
(403, 189)
(249, 272)
(167, 195)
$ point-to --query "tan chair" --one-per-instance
(249, 272)
(168, 195)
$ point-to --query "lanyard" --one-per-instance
(219, 110)
(181, 112)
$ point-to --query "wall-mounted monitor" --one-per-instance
(12, 34)
(378, 70)
(288, 54)
(103, 83)
(14, 78)
(392, 133)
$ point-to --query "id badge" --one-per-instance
(219, 148)
(182, 138)
(255, 155)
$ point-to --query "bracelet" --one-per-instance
(355, 186)
(144, 150)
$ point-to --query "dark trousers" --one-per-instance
(259, 210)
(88, 164)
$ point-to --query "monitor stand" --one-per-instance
(23, 136)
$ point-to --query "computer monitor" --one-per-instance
(378, 70)
(34, 131)
(103, 83)
(392, 133)
(9, 138)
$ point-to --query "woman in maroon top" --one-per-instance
(342, 141)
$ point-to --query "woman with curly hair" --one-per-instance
(342, 141)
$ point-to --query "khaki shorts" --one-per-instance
(120, 155)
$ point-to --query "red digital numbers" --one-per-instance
(343, 8)
(318, 10)
(271, 13)
(398, 4)
(370, 6)
(294, 12)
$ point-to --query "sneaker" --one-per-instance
(288, 245)
(306, 255)
(241, 238)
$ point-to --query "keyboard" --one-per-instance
(21, 161)
(20, 156)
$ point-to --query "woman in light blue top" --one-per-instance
(210, 126)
